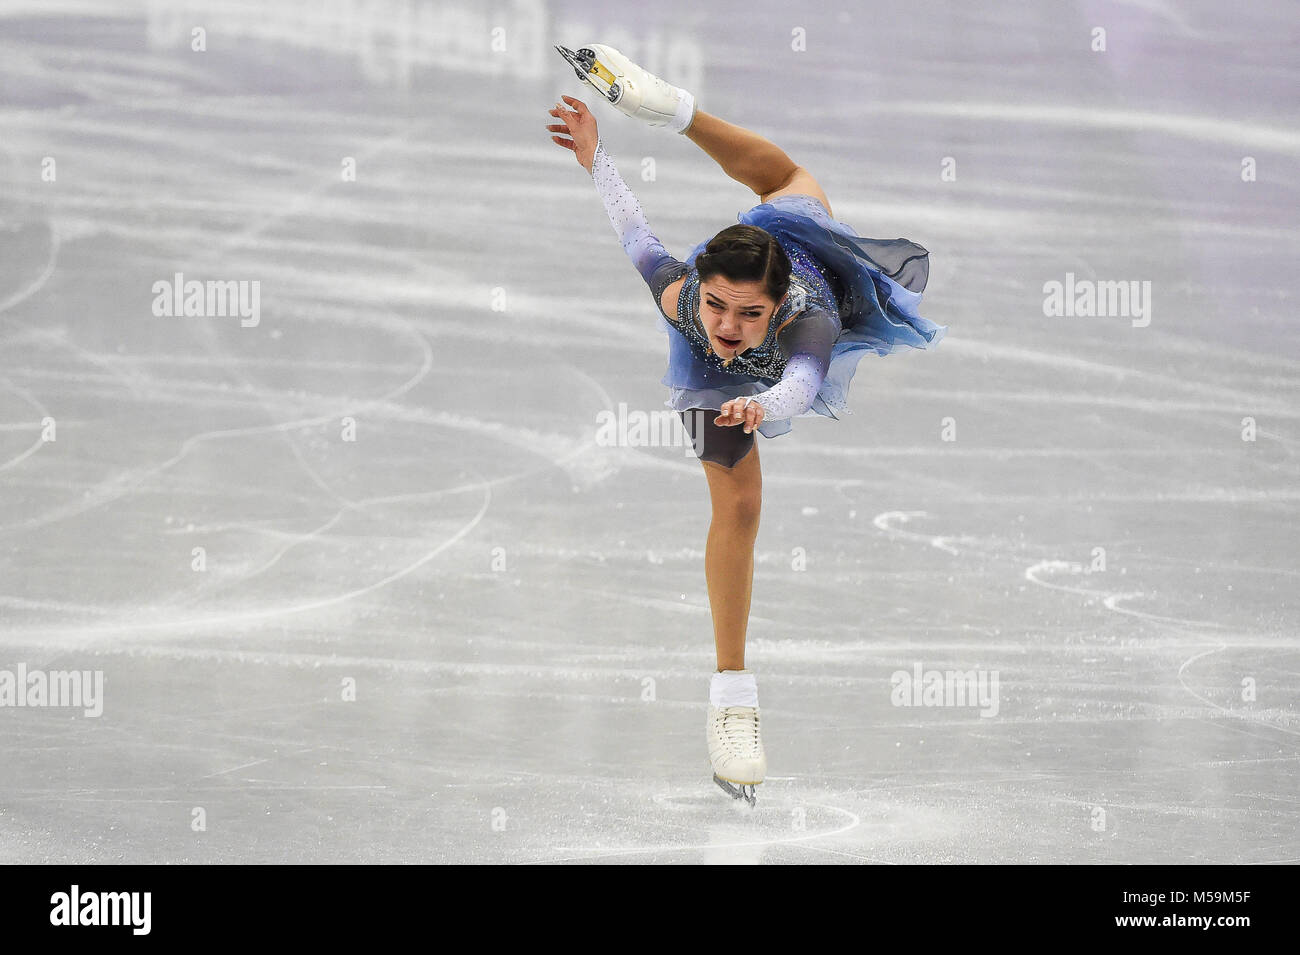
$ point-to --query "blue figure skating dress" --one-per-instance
(875, 285)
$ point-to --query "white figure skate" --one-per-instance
(736, 750)
(631, 89)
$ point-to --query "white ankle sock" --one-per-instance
(733, 688)
(685, 113)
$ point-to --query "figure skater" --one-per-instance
(766, 321)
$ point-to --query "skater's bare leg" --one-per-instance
(752, 160)
(737, 495)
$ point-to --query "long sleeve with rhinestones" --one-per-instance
(657, 267)
(808, 343)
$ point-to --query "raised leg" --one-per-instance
(737, 495)
(752, 160)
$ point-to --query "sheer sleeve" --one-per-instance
(651, 259)
(807, 345)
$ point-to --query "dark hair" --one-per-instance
(746, 253)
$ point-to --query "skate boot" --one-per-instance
(631, 90)
(734, 738)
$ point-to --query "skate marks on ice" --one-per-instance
(225, 620)
(41, 414)
(558, 450)
(1094, 116)
(555, 451)
(30, 252)
(1110, 599)
(890, 524)
(39, 245)
(1048, 574)
(706, 824)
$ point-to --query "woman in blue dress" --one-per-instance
(767, 321)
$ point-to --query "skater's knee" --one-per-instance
(737, 518)
(738, 505)
(746, 508)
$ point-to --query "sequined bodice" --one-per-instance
(812, 285)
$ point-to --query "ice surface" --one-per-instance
(522, 610)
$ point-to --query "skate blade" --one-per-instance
(589, 70)
(743, 791)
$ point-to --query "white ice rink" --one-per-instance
(391, 485)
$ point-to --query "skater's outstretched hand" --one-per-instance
(580, 124)
(744, 411)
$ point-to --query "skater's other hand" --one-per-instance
(736, 411)
(580, 124)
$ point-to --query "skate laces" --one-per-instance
(739, 729)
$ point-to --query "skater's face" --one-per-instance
(735, 314)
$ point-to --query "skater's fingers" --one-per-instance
(577, 104)
(566, 143)
(729, 416)
(739, 411)
(558, 128)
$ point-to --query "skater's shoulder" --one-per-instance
(671, 300)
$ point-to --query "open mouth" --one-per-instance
(730, 342)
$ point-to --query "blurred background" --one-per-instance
(365, 582)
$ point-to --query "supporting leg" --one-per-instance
(737, 495)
